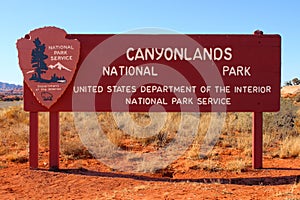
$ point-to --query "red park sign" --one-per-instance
(147, 73)
(174, 73)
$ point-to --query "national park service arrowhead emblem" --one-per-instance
(48, 62)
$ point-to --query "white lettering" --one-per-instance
(88, 89)
(127, 53)
(197, 54)
(57, 58)
(160, 54)
(228, 54)
(183, 100)
(253, 89)
(182, 53)
(145, 101)
(129, 71)
(214, 101)
(236, 71)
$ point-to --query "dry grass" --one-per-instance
(128, 137)
(14, 129)
(17, 158)
(291, 193)
(281, 132)
(297, 121)
(239, 165)
(290, 147)
(281, 135)
(208, 165)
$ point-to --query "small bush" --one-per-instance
(297, 98)
(16, 158)
(210, 165)
(297, 122)
(75, 150)
(14, 114)
(236, 165)
(290, 147)
(282, 122)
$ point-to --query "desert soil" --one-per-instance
(90, 179)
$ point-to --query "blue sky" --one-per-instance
(18, 18)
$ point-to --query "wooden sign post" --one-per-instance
(257, 140)
(54, 140)
(33, 140)
(146, 72)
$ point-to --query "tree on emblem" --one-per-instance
(37, 60)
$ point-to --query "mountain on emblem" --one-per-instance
(59, 66)
(48, 61)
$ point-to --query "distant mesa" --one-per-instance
(8, 86)
(290, 91)
(10, 92)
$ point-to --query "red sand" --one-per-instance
(89, 179)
